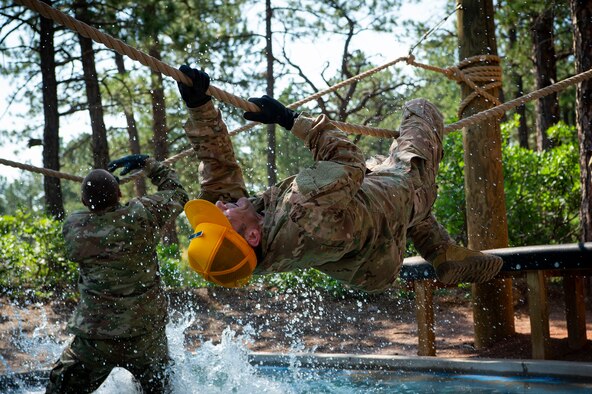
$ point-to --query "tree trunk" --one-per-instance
(132, 130)
(485, 198)
(54, 203)
(581, 13)
(271, 140)
(161, 146)
(518, 84)
(547, 108)
(99, 141)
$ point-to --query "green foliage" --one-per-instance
(541, 188)
(33, 262)
(449, 208)
(543, 191)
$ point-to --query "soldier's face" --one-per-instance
(240, 214)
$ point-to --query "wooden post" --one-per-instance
(484, 182)
(424, 310)
(538, 310)
(575, 310)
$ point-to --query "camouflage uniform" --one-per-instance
(340, 216)
(121, 317)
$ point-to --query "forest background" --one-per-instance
(78, 111)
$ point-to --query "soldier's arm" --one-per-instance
(220, 174)
(339, 167)
(171, 197)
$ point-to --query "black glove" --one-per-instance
(195, 95)
(129, 163)
(272, 111)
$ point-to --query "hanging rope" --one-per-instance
(157, 65)
(331, 89)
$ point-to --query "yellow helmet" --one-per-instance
(216, 251)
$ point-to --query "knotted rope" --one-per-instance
(469, 71)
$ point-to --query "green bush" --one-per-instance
(33, 260)
(542, 189)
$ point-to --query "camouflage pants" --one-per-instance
(86, 363)
(419, 147)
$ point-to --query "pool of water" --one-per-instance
(229, 367)
(356, 381)
(307, 380)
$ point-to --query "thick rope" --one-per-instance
(157, 65)
(469, 76)
(498, 111)
(472, 73)
(330, 89)
(40, 170)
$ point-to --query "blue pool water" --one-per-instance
(331, 381)
(348, 381)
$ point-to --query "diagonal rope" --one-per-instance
(157, 65)
(498, 111)
(330, 89)
(41, 170)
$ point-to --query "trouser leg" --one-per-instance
(149, 361)
(71, 374)
(429, 237)
(420, 145)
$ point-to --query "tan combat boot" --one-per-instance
(455, 264)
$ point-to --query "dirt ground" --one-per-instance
(309, 320)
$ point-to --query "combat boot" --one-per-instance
(455, 264)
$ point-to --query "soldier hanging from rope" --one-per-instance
(342, 216)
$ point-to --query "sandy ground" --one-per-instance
(308, 320)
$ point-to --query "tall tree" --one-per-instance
(581, 11)
(485, 198)
(54, 204)
(581, 14)
(132, 129)
(270, 80)
(546, 74)
(516, 81)
(100, 144)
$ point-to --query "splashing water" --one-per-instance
(213, 368)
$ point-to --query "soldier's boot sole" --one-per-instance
(477, 268)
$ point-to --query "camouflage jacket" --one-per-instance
(335, 216)
(119, 278)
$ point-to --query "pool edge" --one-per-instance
(548, 368)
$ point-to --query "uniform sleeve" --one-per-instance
(171, 197)
(221, 176)
(324, 190)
